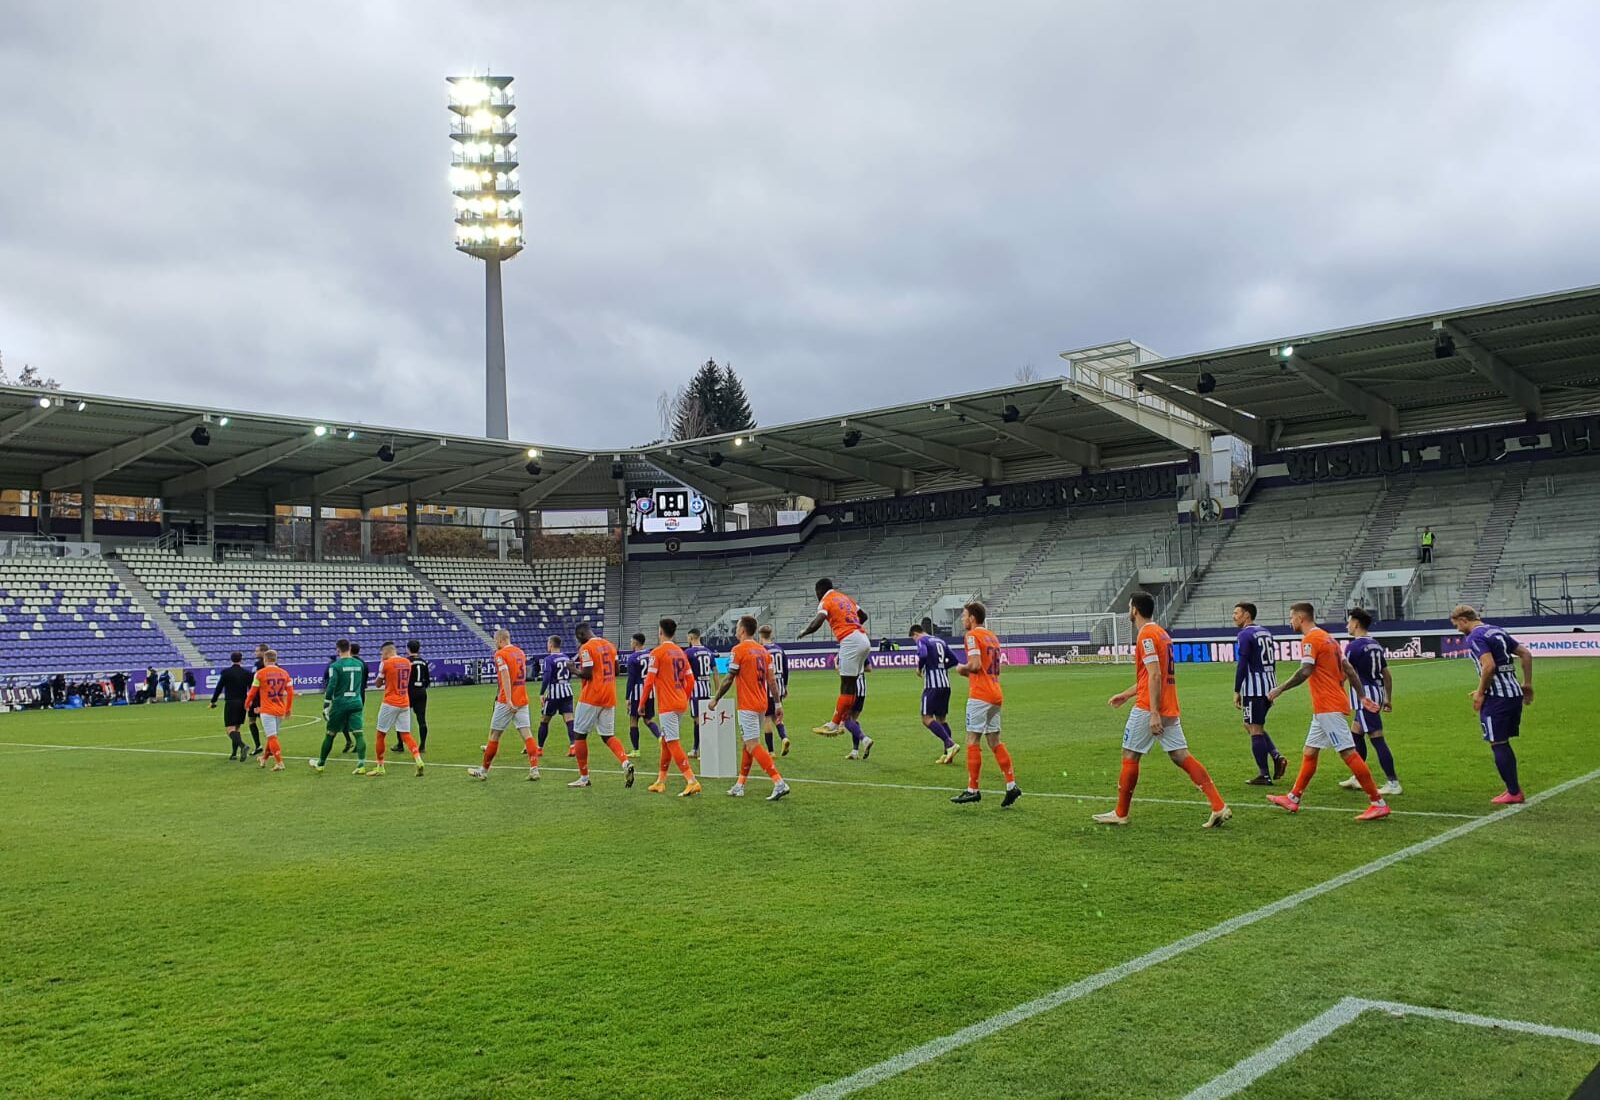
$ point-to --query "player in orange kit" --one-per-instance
(1155, 717)
(272, 694)
(982, 670)
(844, 617)
(669, 682)
(1324, 664)
(750, 666)
(510, 705)
(394, 713)
(597, 704)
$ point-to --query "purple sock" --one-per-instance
(655, 730)
(1258, 749)
(544, 731)
(941, 730)
(1380, 745)
(855, 732)
(1361, 744)
(783, 734)
(1272, 750)
(768, 738)
(1505, 761)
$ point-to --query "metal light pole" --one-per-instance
(488, 201)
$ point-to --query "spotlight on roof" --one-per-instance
(617, 472)
(223, 422)
(351, 434)
(852, 437)
(201, 436)
(82, 405)
(1444, 346)
(716, 458)
(320, 430)
(1205, 383)
(44, 402)
(1010, 414)
(386, 453)
(1286, 351)
(738, 441)
(533, 452)
(534, 469)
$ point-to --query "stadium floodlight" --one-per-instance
(320, 430)
(82, 405)
(1286, 351)
(223, 422)
(488, 206)
(351, 434)
(44, 402)
(533, 452)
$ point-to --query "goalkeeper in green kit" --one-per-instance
(343, 694)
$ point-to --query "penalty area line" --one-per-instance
(983, 1029)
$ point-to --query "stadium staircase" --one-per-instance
(1031, 560)
(937, 581)
(1491, 544)
(1379, 525)
(628, 618)
(613, 600)
(153, 611)
(447, 604)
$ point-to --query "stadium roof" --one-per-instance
(1530, 357)
(1535, 356)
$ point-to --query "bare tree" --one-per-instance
(29, 377)
(1027, 373)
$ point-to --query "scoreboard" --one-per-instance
(671, 508)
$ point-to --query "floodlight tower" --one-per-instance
(484, 178)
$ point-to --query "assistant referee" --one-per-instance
(420, 679)
(233, 685)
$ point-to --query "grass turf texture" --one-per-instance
(176, 925)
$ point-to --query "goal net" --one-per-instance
(1100, 638)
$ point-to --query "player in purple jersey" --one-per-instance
(555, 693)
(638, 663)
(1500, 696)
(1255, 675)
(1371, 663)
(934, 661)
(772, 723)
(861, 744)
(703, 663)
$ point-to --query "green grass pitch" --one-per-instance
(175, 925)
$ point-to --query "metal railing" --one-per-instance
(1564, 593)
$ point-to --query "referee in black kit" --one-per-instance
(420, 679)
(233, 684)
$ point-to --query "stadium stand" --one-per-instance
(532, 601)
(62, 615)
(298, 608)
(1555, 529)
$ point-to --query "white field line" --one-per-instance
(972, 1033)
(1307, 1035)
(595, 769)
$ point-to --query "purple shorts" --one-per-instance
(936, 702)
(1500, 717)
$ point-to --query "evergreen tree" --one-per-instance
(712, 402)
(733, 406)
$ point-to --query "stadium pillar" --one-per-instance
(211, 517)
(530, 526)
(366, 534)
(316, 528)
(86, 524)
(411, 528)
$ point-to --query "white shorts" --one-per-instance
(982, 717)
(393, 719)
(1136, 735)
(750, 723)
(591, 718)
(668, 721)
(505, 715)
(269, 724)
(854, 649)
(1330, 731)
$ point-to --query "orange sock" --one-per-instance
(410, 743)
(1002, 756)
(1308, 768)
(488, 752)
(974, 766)
(666, 755)
(531, 747)
(745, 760)
(1363, 774)
(1202, 779)
(383, 740)
(764, 758)
(1125, 785)
(614, 743)
(682, 760)
(273, 749)
(841, 708)
(582, 747)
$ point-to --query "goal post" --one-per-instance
(1104, 636)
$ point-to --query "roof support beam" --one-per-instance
(1065, 447)
(1190, 437)
(1252, 429)
(439, 484)
(1374, 409)
(15, 425)
(799, 484)
(981, 466)
(1512, 382)
(114, 458)
(529, 498)
(897, 479)
(220, 474)
(669, 464)
(330, 481)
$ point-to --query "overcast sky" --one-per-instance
(857, 203)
